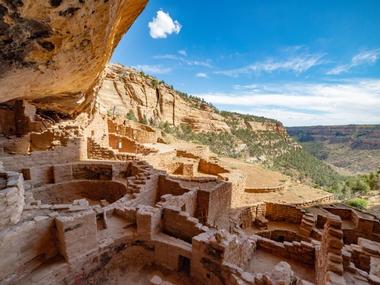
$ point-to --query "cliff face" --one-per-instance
(53, 52)
(124, 90)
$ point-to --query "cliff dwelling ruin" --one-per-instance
(87, 197)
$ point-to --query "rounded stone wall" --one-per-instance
(91, 190)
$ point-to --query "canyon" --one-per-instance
(351, 149)
(95, 189)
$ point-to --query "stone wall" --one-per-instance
(167, 185)
(7, 122)
(363, 259)
(186, 202)
(282, 212)
(329, 261)
(40, 175)
(265, 189)
(212, 252)
(209, 167)
(70, 153)
(218, 204)
(180, 224)
(12, 198)
(76, 234)
(301, 251)
(361, 225)
(26, 246)
(67, 192)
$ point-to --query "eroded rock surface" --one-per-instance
(125, 89)
(52, 52)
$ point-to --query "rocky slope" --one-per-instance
(351, 148)
(54, 52)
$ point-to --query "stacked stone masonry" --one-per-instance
(77, 212)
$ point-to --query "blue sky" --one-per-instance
(301, 62)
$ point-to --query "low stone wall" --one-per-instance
(265, 189)
(74, 151)
(95, 151)
(67, 192)
(12, 199)
(280, 234)
(363, 259)
(209, 167)
(186, 202)
(180, 224)
(300, 251)
(216, 255)
(363, 225)
(319, 201)
(167, 185)
(282, 212)
(134, 131)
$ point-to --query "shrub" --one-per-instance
(155, 83)
(309, 166)
(358, 203)
(144, 120)
(130, 116)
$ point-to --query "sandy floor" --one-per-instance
(161, 147)
(142, 275)
(292, 195)
(264, 262)
(257, 176)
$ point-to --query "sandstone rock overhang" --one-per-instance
(53, 52)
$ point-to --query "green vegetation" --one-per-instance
(196, 102)
(317, 149)
(262, 143)
(231, 116)
(322, 175)
(307, 167)
(222, 143)
(155, 83)
(358, 203)
(130, 116)
(143, 120)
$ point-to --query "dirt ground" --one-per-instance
(141, 275)
(264, 262)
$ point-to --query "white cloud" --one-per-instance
(182, 52)
(153, 69)
(362, 58)
(201, 75)
(204, 63)
(163, 25)
(298, 64)
(357, 101)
